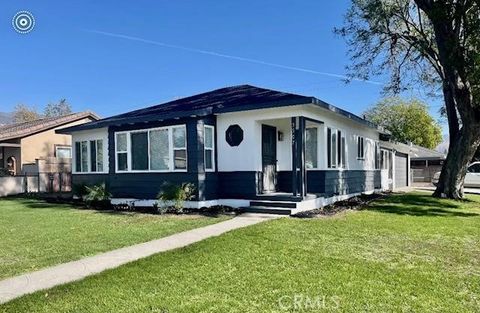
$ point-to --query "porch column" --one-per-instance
(299, 175)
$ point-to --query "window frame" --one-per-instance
(213, 169)
(171, 149)
(317, 154)
(339, 148)
(89, 158)
(57, 147)
(360, 148)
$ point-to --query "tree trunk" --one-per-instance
(459, 156)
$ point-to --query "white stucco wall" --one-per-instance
(248, 156)
(93, 134)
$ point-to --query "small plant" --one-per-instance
(79, 190)
(5, 172)
(97, 196)
(173, 197)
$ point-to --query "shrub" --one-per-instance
(97, 196)
(173, 197)
(79, 190)
(5, 172)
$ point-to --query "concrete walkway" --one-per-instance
(49, 277)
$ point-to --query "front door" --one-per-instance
(269, 158)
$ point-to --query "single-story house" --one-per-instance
(22, 144)
(425, 163)
(241, 146)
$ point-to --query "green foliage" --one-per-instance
(79, 190)
(5, 172)
(173, 196)
(36, 234)
(23, 113)
(58, 109)
(406, 253)
(407, 120)
(96, 193)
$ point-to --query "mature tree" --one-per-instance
(58, 109)
(23, 113)
(407, 120)
(435, 43)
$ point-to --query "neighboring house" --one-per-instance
(22, 144)
(238, 146)
(425, 163)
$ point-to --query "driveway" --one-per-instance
(475, 191)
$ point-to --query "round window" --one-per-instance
(234, 135)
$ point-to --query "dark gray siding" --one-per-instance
(148, 185)
(238, 185)
(334, 182)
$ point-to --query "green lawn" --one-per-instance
(36, 234)
(407, 253)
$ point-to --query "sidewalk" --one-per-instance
(18, 286)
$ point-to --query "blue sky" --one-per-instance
(67, 56)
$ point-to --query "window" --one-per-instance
(384, 160)
(474, 168)
(63, 152)
(96, 156)
(158, 149)
(311, 149)
(377, 156)
(180, 148)
(336, 146)
(122, 152)
(360, 148)
(139, 150)
(341, 145)
(89, 156)
(209, 147)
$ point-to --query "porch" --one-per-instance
(289, 146)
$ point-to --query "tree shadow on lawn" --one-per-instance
(420, 205)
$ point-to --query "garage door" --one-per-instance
(400, 170)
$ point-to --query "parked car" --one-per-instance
(472, 179)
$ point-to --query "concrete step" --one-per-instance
(274, 204)
(267, 210)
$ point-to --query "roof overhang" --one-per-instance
(10, 145)
(217, 110)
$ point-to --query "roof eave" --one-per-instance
(132, 120)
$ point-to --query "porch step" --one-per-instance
(267, 210)
(274, 204)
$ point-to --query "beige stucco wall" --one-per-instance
(42, 145)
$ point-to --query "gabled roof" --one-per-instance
(21, 130)
(223, 100)
(421, 153)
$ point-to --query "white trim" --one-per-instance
(74, 156)
(63, 147)
(362, 151)
(213, 169)
(305, 205)
(171, 149)
(335, 164)
(318, 144)
(234, 203)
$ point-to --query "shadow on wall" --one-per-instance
(419, 205)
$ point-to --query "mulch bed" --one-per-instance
(355, 203)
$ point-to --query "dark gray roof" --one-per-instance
(421, 153)
(229, 99)
(20, 130)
